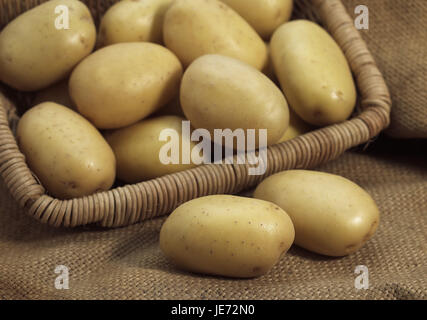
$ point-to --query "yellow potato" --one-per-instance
(332, 215)
(263, 15)
(218, 92)
(137, 149)
(313, 73)
(132, 21)
(35, 54)
(57, 93)
(123, 83)
(193, 28)
(297, 127)
(227, 235)
(67, 153)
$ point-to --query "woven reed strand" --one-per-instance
(134, 203)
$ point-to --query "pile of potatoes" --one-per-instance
(103, 97)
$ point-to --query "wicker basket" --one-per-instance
(134, 203)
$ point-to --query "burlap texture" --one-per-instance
(397, 39)
(127, 263)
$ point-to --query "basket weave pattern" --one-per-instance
(134, 203)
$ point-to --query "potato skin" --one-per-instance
(227, 235)
(137, 149)
(123, 83)
(132, 21)
(264, 16)
(332, 215)
(66, 152)
(28, 66)
(193, 28)
(313, 73)
(219, 92)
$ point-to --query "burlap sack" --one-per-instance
(397, 38)
(127, 263)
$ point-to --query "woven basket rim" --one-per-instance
(134, 203)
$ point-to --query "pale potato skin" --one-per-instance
(313, 73)
(227, 235)
(263, 15)
(137, 149)
(132, 21)
(123, 83)
(57, 93)
(34, 54)
(219, 92)
(65, 151)
(297, 127)
(332, 216)
(193, 28)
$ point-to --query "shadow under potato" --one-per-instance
(308, 255)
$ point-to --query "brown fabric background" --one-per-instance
(127, 263)
(397, 37)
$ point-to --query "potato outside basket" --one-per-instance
(134, 203)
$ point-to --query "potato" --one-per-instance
(123, 83)
(34, 54)
(219, 92)
(133, 21)
(264, 16)
(332, 215)
(137, 149)
(297, 127)
(67, 153)
(227, 235)
(193, 28)
(313, 73)
(57, 93)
